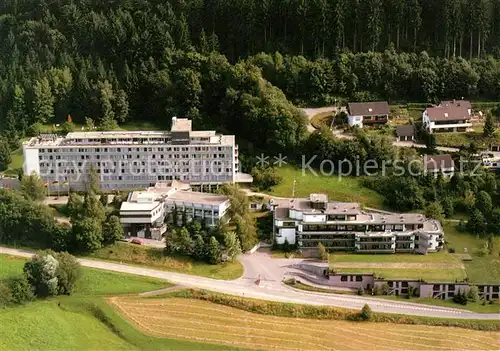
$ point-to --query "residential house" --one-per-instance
(443, 164)
(344, 226)
(367, 113)
(405, 133)
(448, 116)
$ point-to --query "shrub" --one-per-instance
(451, 250)
(68, 272)
(361, 291)
(322, 253)
(473, 294)
(20, 289)
(5, 294)
(366, 313)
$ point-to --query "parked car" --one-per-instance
(136, 241)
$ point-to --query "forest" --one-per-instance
(240, 67)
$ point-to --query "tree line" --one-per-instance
(102, 63)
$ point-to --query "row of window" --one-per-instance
(137, 149)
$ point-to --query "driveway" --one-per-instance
(270, 287)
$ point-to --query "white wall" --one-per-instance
(31, 162)
(294, 214)
(308, 218)
(286, 233)
(355, 121)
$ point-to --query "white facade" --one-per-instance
(355, 121)
(129, 160)
(345, 227)
(446, 126)
(145, 212)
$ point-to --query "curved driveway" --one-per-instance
(262, 280)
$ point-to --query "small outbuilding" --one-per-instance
(405, 133)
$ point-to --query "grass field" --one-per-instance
(459, 139)
(482, 269)
(83, 321)
(340, 189)
(153, 257)
(186, 319)
(93, 281)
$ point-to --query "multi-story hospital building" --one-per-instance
(138, 159)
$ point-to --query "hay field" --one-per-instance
(201, 321)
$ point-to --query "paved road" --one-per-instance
(270, 288)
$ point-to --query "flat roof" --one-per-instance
(139, 206)
(181, 125)
(197, 197)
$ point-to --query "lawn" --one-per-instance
(17, 162)
(347, 189)
(83, 321)
(93, 281)
(184, 318)
(471, 306)
(154, 258)
(459, 139)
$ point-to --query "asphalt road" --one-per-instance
(260, 267)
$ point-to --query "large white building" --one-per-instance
(449, 116)
(344, 226)
(144, 213)
(129, 160)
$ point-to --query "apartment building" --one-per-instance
(346, 227)
(448, 116)
(144, 213)
(138, 159)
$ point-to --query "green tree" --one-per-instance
(448, 206)
(434, 210)
(185, 242)
(232, 245)
(484, 203)
(112, 230)
(33, 188)
(75, 206)
(489, 126)
(366, 313)
(67, 127)
(21, 290)
(43, 101)
(121, 106)
(5, 158)
(213, 252)
(87, 234)
(199, 248)
(93, 185)
(68, 272)
(473, 293)
(322, 252)
(92, 208)
(89, 123)
(41, 272)
(476, 222)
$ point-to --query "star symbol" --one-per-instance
(279, 160)
(262, 160)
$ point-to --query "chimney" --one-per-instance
(174, 119)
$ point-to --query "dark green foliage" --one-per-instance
(20, 289)
(112, 230)
(265, 177)
(25, 222)
(41, 273)
(213, 251)
(199, 251)
(33, 188)
(87, 234)
(5, 158)
(286, 246)
(460, 298)
(366, 313)
(489, 126)
(322, 252)
(68, 272)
